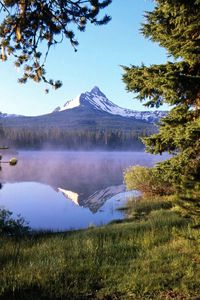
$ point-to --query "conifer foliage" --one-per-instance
(27, 25)
(175, 25)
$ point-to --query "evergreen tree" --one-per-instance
(175, 25)
(28, 24)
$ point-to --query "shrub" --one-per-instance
(10, 226)
(148, 180)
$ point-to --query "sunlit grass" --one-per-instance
(155, 257)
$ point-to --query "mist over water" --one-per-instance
(64, 190)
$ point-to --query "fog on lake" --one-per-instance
(61, 190)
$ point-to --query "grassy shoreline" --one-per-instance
(152, 254)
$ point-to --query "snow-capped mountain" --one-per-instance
(89, 121)
(97, 100)
(94, 101)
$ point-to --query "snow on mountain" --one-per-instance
(97, 100)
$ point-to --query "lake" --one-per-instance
(58, 190)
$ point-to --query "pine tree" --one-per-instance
(175, 25)
(29, 24)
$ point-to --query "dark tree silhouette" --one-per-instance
(29, 24)
(175, 25)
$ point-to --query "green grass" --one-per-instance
(139, 208)
(155, 257)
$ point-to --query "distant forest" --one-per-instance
(38, 138)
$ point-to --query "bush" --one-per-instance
(10, 226)
(147, 180)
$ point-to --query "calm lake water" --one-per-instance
(61, 190)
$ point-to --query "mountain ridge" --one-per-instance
(90, 121)
(97, 100)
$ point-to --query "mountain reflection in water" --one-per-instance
(45, 208)
(97, 199)
(63, 190)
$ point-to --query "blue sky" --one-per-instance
(97, 63)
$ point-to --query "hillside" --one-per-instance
(88, 120)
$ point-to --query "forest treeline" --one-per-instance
(73, 139)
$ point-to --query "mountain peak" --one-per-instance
(96, 100)
(95, 90)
